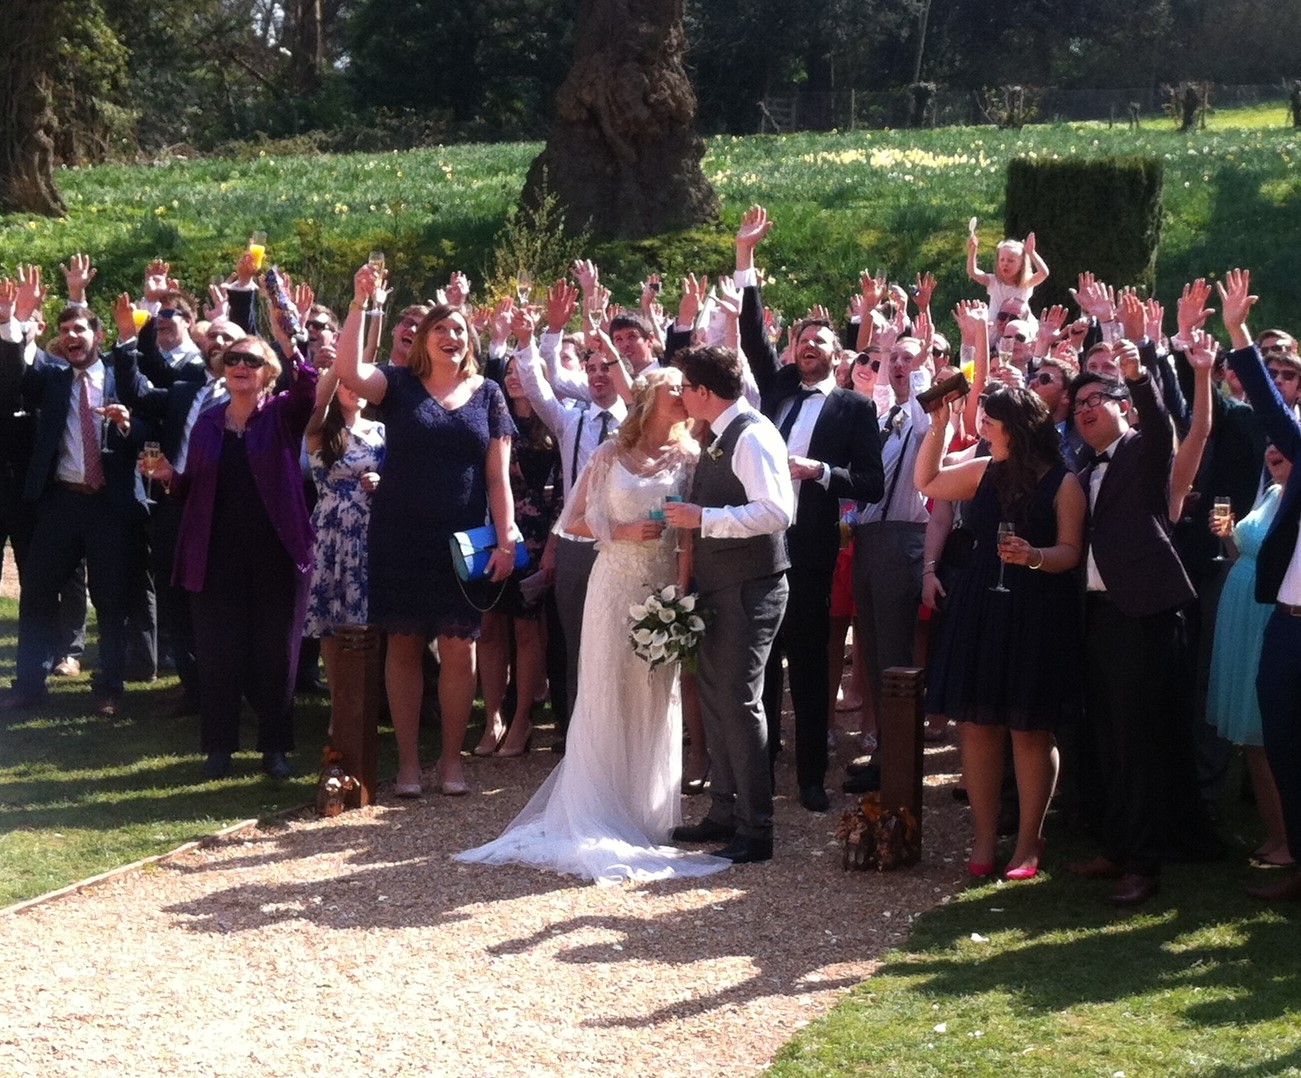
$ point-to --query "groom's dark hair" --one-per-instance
(717, 369)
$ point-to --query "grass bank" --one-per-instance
(842, 201)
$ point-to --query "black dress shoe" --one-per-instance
(1134, 889)
(277, 765)
(706, 830)
(743, 850)
(558, 746)
(311, 686)
(217, 765)
(814, 798)
(863, 782)
(862, 765)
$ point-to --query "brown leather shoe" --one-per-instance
(1134, 889)
(68, 667)
(1288, 890)
(1099, 868)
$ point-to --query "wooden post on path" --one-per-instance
(902, 691)
(355, 718)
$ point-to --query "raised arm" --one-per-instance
(1188, 457)
(1038, 267)
(364, 379)
(973, 271)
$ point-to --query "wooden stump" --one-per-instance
(901, 721)
(355, 687)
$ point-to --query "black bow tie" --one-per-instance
(1102, 458)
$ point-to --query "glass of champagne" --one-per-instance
(257, 247)
(1006, 529)
(523, 286)
(1222, 510)
(677, 533)
(139, 318)
(152, 454)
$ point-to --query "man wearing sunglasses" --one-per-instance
(1278, 349)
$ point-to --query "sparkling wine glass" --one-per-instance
(152, 454)
(677, 532)
(523, 286)
(1006, 529)
(1221, 510)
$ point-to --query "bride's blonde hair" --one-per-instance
(643, 403)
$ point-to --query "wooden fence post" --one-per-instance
(355, 687)
(902, 690)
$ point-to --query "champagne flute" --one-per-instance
(1006, 529)
(523, 286)
(153, 453)
(1222, 510)
(677, 532)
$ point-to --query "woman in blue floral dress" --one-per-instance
(345, 452)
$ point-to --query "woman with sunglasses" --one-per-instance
(244, 550)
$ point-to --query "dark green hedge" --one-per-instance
(1102, 215)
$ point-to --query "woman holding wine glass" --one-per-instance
(1008, 641)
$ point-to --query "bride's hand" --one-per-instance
(639, 530)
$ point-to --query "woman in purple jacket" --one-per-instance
(244, 551)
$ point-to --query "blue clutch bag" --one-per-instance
(471, 550)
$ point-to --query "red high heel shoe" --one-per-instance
(1027, 871)
(980, 869)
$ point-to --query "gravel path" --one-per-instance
(354, 946)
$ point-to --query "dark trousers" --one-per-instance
(71, 526)
(1278, 688)
(248, 622)
(1143, 736)
(173, 602)
(574, 563)
(733, 657)
(802, 639)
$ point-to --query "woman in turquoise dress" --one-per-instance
(1231, 705)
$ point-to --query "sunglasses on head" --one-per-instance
(250, 359)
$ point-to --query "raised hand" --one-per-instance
(1029, 244)
(78, 274)
(755, 224)
(157, 282)
(1203, 350)
(1235, 297)
(218, 307)
(872, 288)
(363, 284)
(694, 290)
(924, 331)
(458, 289)
(1126, 354)
(1130, 313)
(972, 318)
(499, 325)
(245, 269)
(586, 274)
(382, 289)
(728, 296)
(124, 316)
(523, 325)
(650, 290)
(30, 292)
(1191, 311)
(303, 295)
(819, 312)
(925, 289)
(1155, 325)
(562, 302)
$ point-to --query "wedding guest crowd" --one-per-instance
(1086, 506)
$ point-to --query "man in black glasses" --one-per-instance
(1278, 349)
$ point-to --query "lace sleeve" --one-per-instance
(500, 423)
(589, 503)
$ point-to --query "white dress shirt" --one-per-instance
(1092, 576)
(760, 462)
(901, 500)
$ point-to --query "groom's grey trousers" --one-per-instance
(744, 620)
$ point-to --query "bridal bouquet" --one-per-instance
(666, 628)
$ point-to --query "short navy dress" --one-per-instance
(434, 483)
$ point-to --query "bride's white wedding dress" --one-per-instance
(606, 810)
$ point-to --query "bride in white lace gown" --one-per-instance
(606, 810)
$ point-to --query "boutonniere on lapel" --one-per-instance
(896, 424)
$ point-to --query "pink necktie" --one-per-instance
(91, 466)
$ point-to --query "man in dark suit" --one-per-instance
(1278, 581)
(835, 452)
(82, 478)
(1133, 626)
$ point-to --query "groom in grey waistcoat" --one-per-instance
(741, 504)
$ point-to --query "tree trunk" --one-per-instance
(27, 120)
(623, 156)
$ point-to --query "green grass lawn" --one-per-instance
(80, 794)
(1044, 980)
(842, 201)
